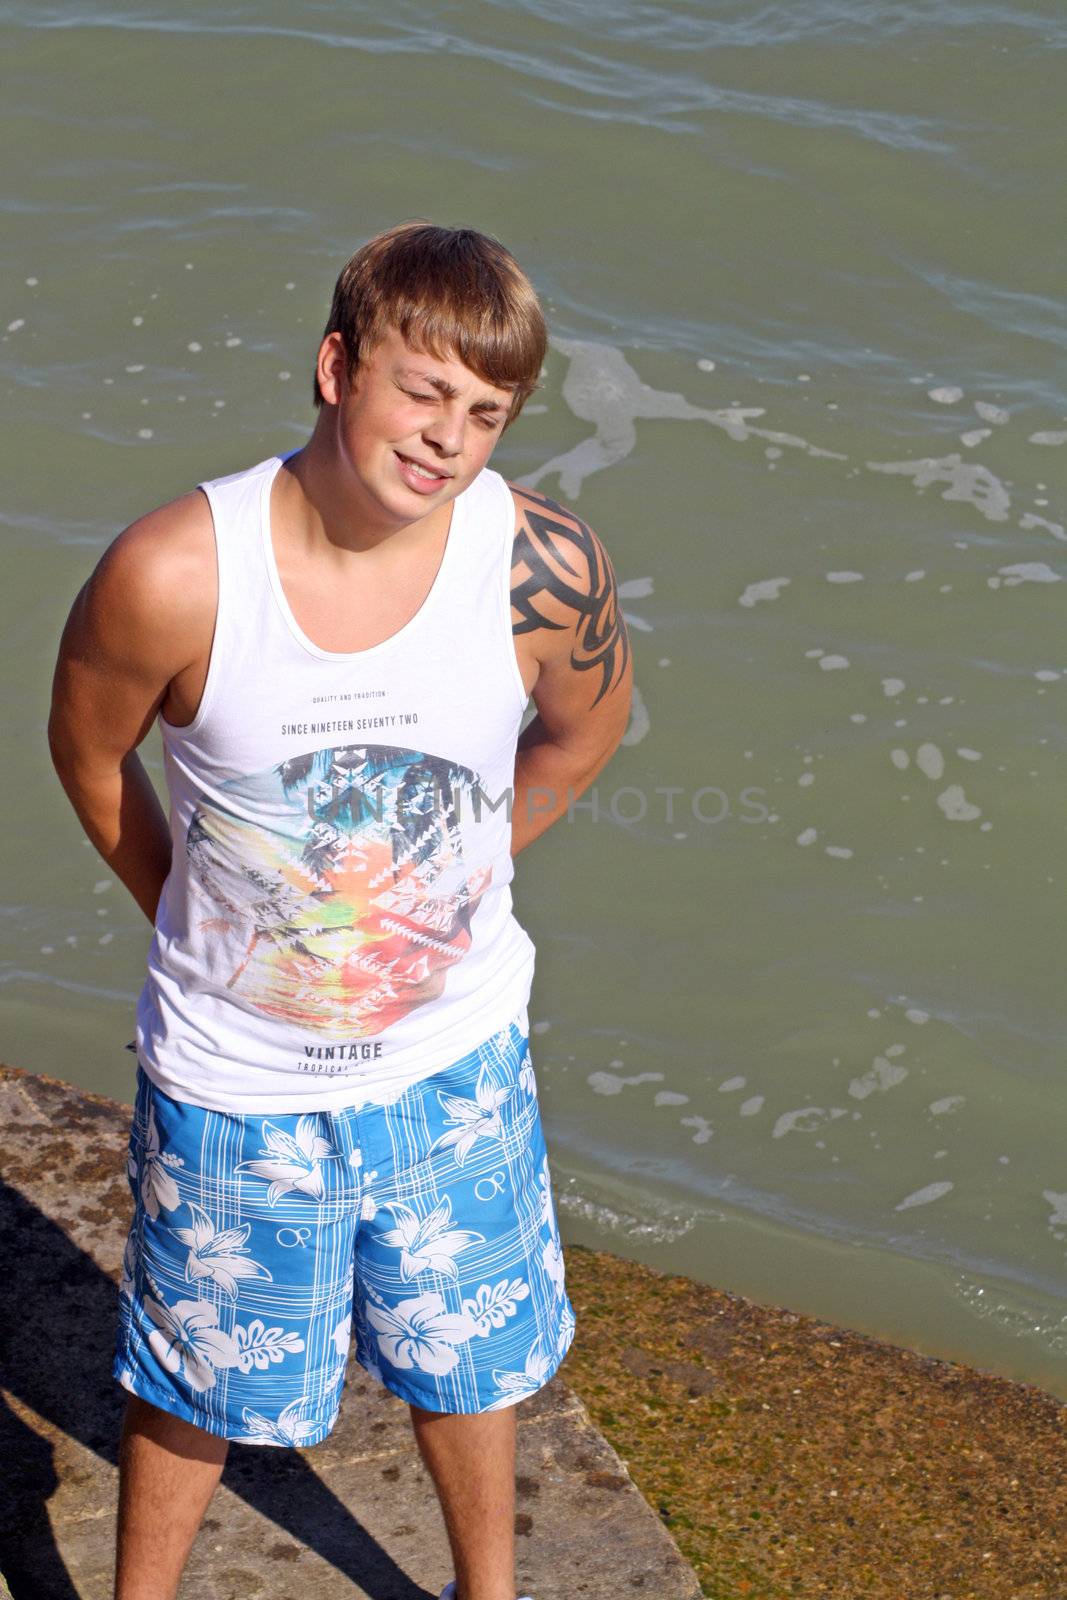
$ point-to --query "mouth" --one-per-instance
(420, 474)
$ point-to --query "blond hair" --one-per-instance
(447, 291)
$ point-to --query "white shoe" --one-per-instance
(449, 1592)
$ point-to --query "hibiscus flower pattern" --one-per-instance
(341, 1337)
(158, 1188)
(427, 1244)
(220, 1256)
(473, 1119)
(288, 1428)
(440, 1270)
(187, 1339)
(565, 1337)
(527, 1076)
(544, 1186)
(292, 1162)
(515, 1386)
(552, 1261)
(420, 1332)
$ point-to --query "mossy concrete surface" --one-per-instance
(793, 1458)
(355, 1516)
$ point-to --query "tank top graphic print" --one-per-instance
(337, 922)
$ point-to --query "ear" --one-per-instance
(330, 368)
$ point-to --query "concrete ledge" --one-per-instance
(356, 1516)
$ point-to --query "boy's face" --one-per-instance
(413, 429)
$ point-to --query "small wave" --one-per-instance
(94, 991)
(626, 1224)
(1011, 1316)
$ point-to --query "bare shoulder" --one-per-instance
(145, 615)
(154, 591)
(169, 553)
(564, 594)
(550, 533)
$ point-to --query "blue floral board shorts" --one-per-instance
(261, 1246)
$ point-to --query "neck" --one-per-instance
(325, 503)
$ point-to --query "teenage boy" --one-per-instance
(336, 1134)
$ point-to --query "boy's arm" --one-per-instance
(139, 621)
(564, 595)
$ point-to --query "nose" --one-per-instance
(445, 430)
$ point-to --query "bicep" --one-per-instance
(104, 692)
(575, 712)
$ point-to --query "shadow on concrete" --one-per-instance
(57, 1332)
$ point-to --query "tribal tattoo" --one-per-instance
(566, 560)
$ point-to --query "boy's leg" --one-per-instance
(471, 1459)
(235, 1310)
(461, 1308)
(168, 1470)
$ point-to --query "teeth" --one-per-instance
(422, 472)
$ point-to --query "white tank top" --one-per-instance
(337, 922)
